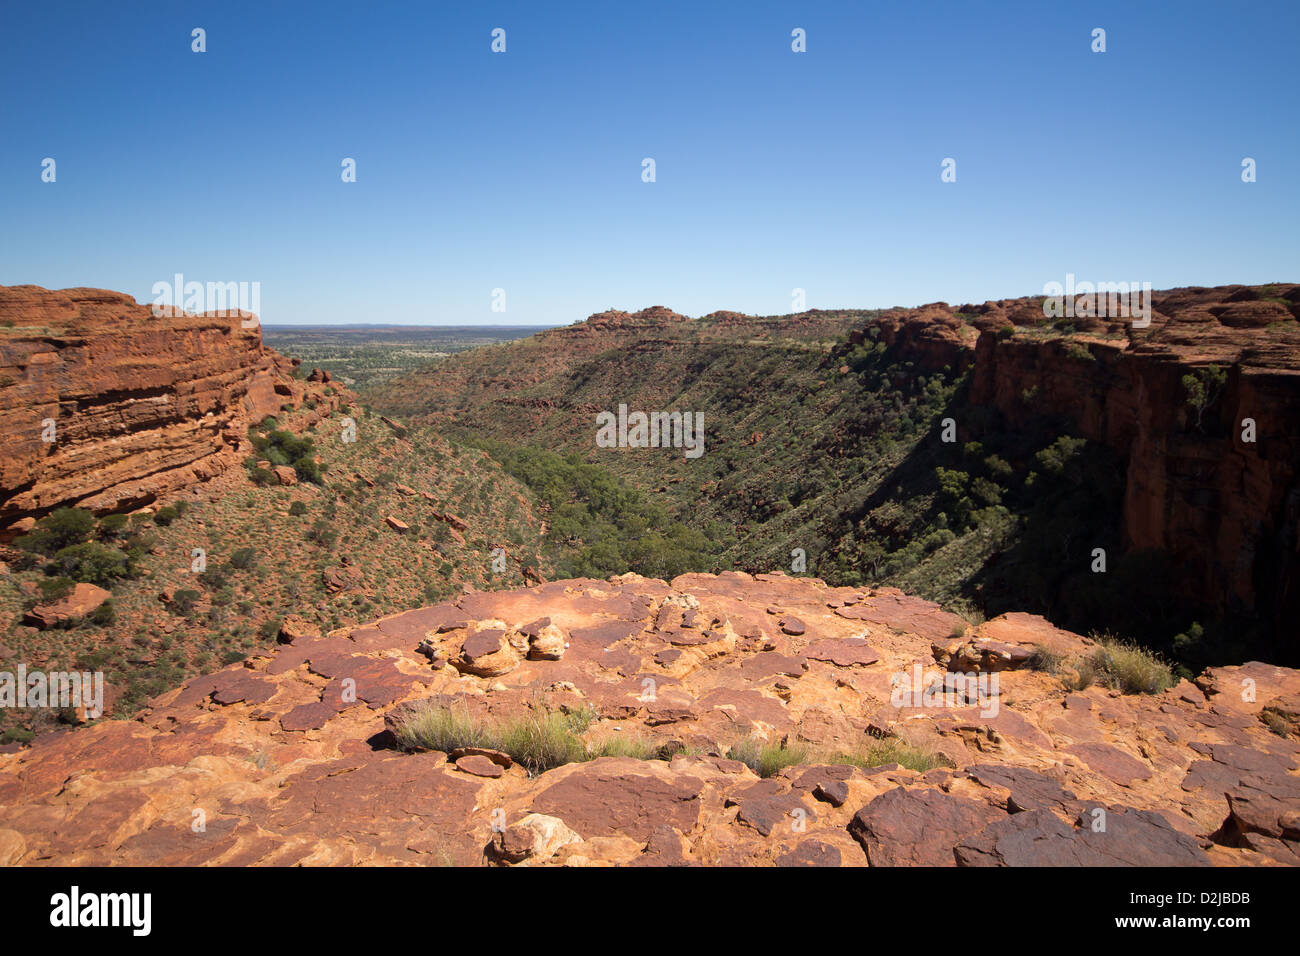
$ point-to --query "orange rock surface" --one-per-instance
(286, 759)
(106, 406)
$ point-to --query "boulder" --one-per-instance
(84, 599)
(534, 839)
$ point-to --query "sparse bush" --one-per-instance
(104, 615)
(1125, 667)
(61, 528)
(539, 740)
(112, 526)
(55, 589)
(166, 515)
(767, 759)
(891, 750)
(1046, 660)
(183, 602)
(93, 563)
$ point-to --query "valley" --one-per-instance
(968, 566)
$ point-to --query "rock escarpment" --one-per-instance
(106, 406)
(1224, 508)
(286, 758)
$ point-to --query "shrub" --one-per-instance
(112, 526)
(767, 759)
(213, 578)
(243, 558)
(298, 508)
(538, 741)
(166, 515)
(894, 750)
(61, 528)
(322, 533)
(1126, 667)
(103, 616)
(93, 562)
(55, 589)
(542, 740)
(629, 745)
(183, 602)
(281, 447)
(1044, 659)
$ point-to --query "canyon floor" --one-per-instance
(290, 757)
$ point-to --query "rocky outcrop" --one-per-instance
(288, 757)
(1225, 509)
(107, 406)
(84, 599)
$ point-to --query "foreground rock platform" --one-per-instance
(285, 759)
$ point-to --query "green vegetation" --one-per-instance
(767, 759)
(538, 741)
(367, 356)
(891, 750)
(281, 447)
(73, 546)
(599, 524)
(840, 449)
(1203, 387)
(1125, 667)
(546, 738)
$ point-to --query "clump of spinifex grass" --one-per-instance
(440, 728)
(765, 758)
(538, 740)
(768, 758)
(543, 738)
(1123, 666)
(891, 750)
(638, 748)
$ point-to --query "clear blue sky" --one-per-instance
(522, 170)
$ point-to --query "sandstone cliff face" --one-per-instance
(1226, 510)
(140, 405)
(288, 767)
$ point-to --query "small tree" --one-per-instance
(183, 602)
(60, 529)
(1203, 387)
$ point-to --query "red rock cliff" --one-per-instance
(140, 405)
(1226, 510)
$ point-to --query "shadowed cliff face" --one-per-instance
(1224, 508)
(106, 406)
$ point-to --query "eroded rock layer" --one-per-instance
(106, 406)
(1216, 484)
(288, 758)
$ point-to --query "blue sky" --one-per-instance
(522, 170)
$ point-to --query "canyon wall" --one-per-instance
(106, 406)
(1225, 509)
